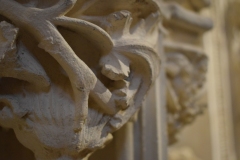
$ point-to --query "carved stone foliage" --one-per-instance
(186, 61)
(72, 72)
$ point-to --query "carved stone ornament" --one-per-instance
(186, 61)
(74, 71)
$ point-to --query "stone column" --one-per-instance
(232, 24)
(219, 84)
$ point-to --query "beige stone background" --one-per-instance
(194, 141)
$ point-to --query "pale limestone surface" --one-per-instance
(74, 71)
(182, 154)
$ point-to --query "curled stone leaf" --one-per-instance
(115, 66)
(8, 35)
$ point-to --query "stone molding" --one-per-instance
(219, 45)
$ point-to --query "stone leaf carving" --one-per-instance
(186, 61)
(185, 86)
(72, 72)
(19, 64)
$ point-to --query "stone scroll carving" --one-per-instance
(186, 61)
(72, 72)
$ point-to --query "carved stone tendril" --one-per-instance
(71, 110)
